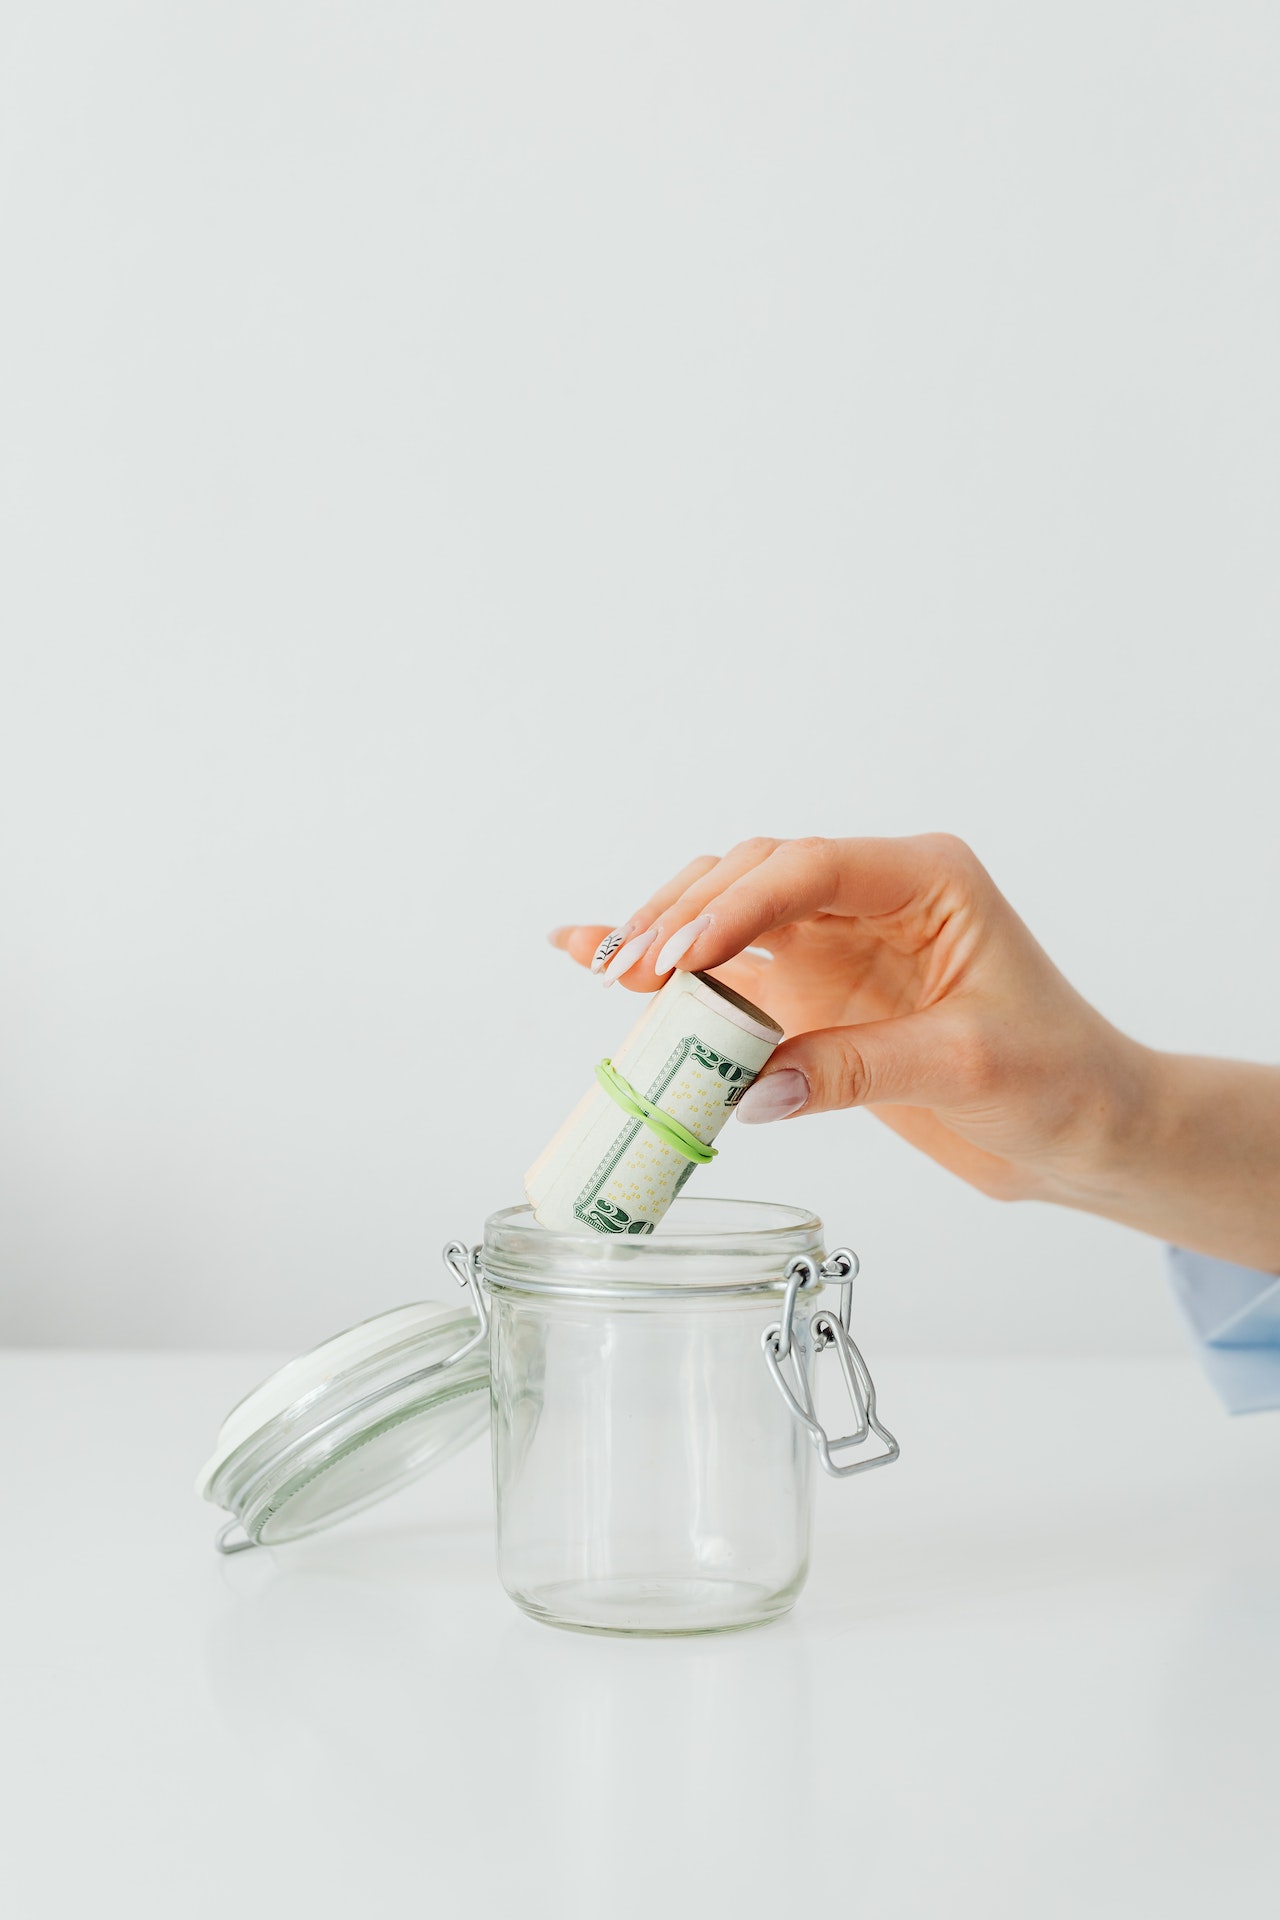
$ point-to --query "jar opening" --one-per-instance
(702, 1243)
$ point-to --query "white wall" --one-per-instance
(461, 460)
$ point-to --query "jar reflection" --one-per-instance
(706, 1735)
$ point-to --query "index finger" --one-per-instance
(863, 878)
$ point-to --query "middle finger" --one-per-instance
(681, 915)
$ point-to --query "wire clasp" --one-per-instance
(829, 1330)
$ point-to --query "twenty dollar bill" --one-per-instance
(693, 1053)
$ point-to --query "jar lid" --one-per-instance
(350, 1422)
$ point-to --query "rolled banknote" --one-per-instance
(616, 1164)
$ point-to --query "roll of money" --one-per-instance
(692, 1055)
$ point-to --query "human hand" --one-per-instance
(907, 984)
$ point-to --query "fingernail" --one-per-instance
(680, 942)
(626, 957)
(556, 934)
(774, 1097)
(609, 945)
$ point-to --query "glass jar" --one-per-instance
(650, 1402)
(650, 1476)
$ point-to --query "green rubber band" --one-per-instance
(669, 1131)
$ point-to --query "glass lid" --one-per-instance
(352, 1421)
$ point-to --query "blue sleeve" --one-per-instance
(1233, 1314)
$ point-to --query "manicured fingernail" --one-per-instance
(680, 942)
(626, 957)
(609, 945)
(774, 1097)
(556, 936)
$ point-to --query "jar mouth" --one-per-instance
(701, 1243)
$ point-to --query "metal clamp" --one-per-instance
(830, 1330)
(463, 1263)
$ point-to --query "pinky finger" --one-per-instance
(580, 943)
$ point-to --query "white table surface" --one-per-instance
(1036, 1673)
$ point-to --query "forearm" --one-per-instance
(1190, 1154)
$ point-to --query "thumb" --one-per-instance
(910, 1061)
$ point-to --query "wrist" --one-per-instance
(1122, 1111)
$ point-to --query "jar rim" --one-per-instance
(703, 1243)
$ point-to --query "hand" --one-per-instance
(909, 985)
(906, 983)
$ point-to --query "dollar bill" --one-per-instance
(694, 1052)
